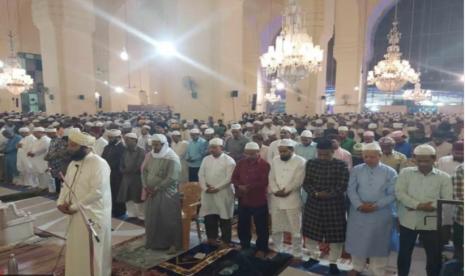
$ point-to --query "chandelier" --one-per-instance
(417, 94)
(392, 73)
(13, 77)
(294, 55)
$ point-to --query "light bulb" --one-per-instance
(124, 55)
(119, 89)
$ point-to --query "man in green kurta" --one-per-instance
(160, 175)
(347, 143)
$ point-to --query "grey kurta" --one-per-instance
(163, 224)
(131, 184)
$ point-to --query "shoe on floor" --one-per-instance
(333, 269)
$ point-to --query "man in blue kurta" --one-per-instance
(402, 146)
(11, 171)
(196, 151)
(372, 194)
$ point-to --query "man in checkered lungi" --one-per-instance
(324, 220)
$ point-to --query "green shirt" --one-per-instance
(413, 188)
(348, 144)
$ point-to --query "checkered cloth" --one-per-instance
(457, 181)
(325, 219)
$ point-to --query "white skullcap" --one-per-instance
(397, 125)
(258, 123)
(293, 130)
(98, 124)
(114, 132)
(319, 121)
(306, 134)
(424, 150)
(209, 131)
(24, 129)
(126, 125)
(38, 129)
(286, 128)
(204, 126)
(89, 124)
(50, 130)
(267, 120)
(146, 127)
(249, 124)
(158, 137)
(175, 133)
(252, 146)
(343, 128)
(131, 135)
(369, 133)
(194, 131)
(81, 138)
(372, 126)
(216, 142)
(371, 146)
(397, 134)
(55, 124)
(236, 127)
(286, 143)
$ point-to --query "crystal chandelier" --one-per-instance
(13, 77)
(392, 73)
(294, 55)
(417, 94)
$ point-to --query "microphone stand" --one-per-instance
(89, 225)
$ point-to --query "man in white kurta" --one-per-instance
(179, 146)
(217, 202)
(37, 154)
(101, 142)
(23, 162)
(285, 181)
(143, 141)
(273, 150)
(88, 176)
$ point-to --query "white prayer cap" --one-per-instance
(397, 134)
(146, 127)
(424, 150)
(126, 125)
(81, 138)
(286, 128)
(204, 126)
(372, 126)
(216, 142)
(89, 124)
(194, 131)
(319, 121)
(209, 131)
(371, 146)
(258, 123)
(249, 124)
(293, 130)
(23, 129)
(175, 133)
(286, 143)
(397, 125)
(236, 126)
(252, 146)
(343, 128)
(50, 130)
(306, 134)
(158, 137)
(68, 131)
(386, 141)
(35, 121)
(38, 129)
(131, 135)
(369, 133)
(114, 132)
(55, 124)
(267, 120)
(98, 124)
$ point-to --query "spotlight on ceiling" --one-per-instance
(166, 48)
(119, 89)
(105, 82)
(124, 55)
(97, 94)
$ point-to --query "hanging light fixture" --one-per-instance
(392, 73)
(417, 94)
(294, 55)
(12, 76)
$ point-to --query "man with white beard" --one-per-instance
(37, 154)
(23, 162)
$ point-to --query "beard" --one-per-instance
(285, 158)
(79, 154)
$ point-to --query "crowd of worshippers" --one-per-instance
(346, 180)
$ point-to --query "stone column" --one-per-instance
(66, 29)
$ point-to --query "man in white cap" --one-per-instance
(196, 151)
(417, 191)
(130, 189)
(39, 164)
(306, 148)
(100, 142)
(285, 181)
(23, 162)
(401, 145)
(370, 221)
(217, 201)
(269, 129)
(143, 141)
(250, 180)
(390, 157)
(273, 149)
(208, 134)
(234, 145)
(180, 148)
(88, 176)
(368, 137)
(113, 153)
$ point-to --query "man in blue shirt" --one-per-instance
(196, 151)
(402, 146)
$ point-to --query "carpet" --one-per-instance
(221, 262)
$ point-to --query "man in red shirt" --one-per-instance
(250, 178)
